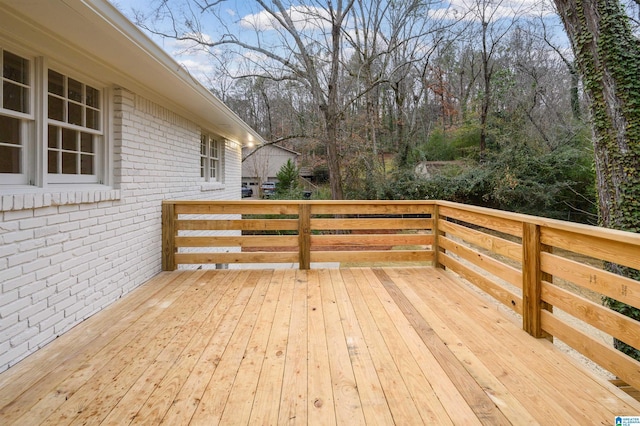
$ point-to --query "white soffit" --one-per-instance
(94, 37)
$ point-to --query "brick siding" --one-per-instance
(66, 255)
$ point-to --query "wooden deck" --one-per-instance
(399, 346)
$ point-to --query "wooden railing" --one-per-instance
(296, 232)
(551, 273)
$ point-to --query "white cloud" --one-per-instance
(304, 18)
(492, 10)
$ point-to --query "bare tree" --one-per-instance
(303, 44)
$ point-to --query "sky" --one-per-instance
(242, 17)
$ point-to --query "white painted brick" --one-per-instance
(46, 231)
(43, 314)
(15, 237)
(45, 336)
(31, 245)
(36, 265)
(31, 310)
(100, 244)
(47, 211)
(6, 226)
(24, 336)
(14, 306)
(22, 258)
(8, 250)
(50, 271)
(57, 219)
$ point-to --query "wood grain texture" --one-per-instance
(338, 346)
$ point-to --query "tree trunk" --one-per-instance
(608, 56)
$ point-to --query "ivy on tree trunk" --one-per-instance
(608, 55)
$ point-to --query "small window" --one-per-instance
(211, 158)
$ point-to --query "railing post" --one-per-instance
(435, 219)
(304, 235)
(531, 280)
(168, 237)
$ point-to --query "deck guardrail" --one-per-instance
(552, 273)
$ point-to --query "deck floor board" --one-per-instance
(335, 346)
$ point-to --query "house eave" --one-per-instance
(113, 50)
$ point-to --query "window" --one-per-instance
(74, 136)
(211, 150)
(70, 148)
(15, 115)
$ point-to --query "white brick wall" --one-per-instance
(66, 255)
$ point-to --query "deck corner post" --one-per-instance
(435, 228)
(304, 235)
(532, 304)
(168, 237)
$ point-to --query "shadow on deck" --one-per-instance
(331, 346)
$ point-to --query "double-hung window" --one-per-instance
(52, 131)
(73, 130)
(211, 152)
(16, 117)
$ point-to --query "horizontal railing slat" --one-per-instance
(485, 262)
(601, 317)
(501, 294)
(496, 223)
(238, 241)
(367, 223)
(371, 209)
(611, 359)
(610, 250)
(372, 256)
(606, 283)
(233, 208)
(371, 240)
(237, 225)
(481, 239)
(240, 257)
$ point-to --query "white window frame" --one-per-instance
(34, 174)
(97, 134)
(212, 157)
(26, 121)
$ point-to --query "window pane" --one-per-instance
(10, 145)
(93, 119)
(214, 149)
(86, 164)
(86, 143)
(69, 140)
(52, 163)
(56, 83)
(212, 168)
(56, 108)
(75, 114)
(15, 68)
(202, 163)
(93, 97)
(15, 97)
(75, 90)
(9, 130)
(53, 137)
(10, 160)
(69, 163)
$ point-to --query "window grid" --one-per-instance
(15, 112)
(210, 158)
(74, 127)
